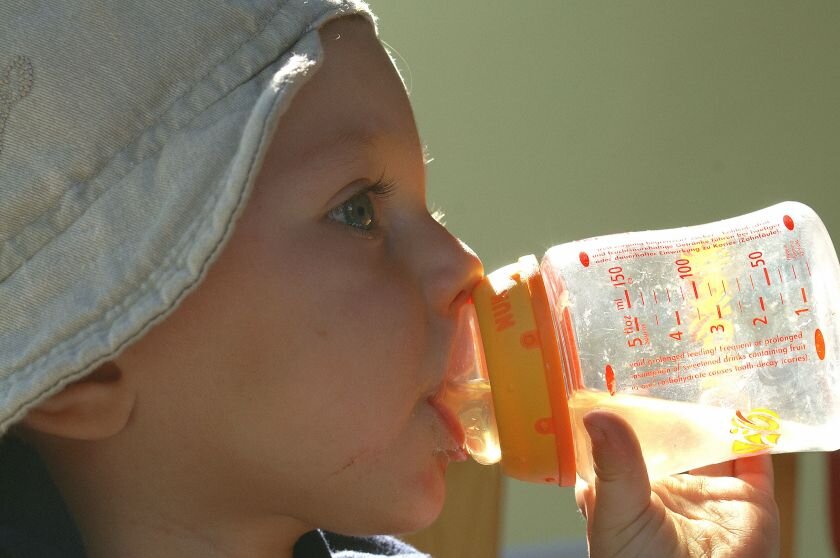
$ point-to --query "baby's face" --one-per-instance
(295, 380)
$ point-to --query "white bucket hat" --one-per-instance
(130, 137)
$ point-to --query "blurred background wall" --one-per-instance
(550, 121)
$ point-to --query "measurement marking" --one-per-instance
(698, 312)
(740, 308)
(718, 309)
(761, 302)
(752, 282)
(637, 323)
(781, 298)
(804, 298)
(682, 294)
(794, 272)
(678, 317)
(739, 284)
(710, 289)
(627, 298)
(767, 275)
(808, 267)
(655, 300)
(657, 319)
(694, 286)
(779, 269)
(641, 294)
(723, 284)
(668, 292)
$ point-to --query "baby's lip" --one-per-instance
(453, 426)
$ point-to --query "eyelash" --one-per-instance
(382, 188)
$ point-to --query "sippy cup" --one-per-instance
(713, 341)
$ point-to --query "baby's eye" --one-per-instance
(360, 210)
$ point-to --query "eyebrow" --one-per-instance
(333, 151)
(353, 138)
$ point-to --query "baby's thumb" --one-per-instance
(622, 488)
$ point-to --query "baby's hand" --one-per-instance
(719, 510)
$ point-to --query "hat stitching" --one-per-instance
(15, 84)
(152, 150)
(158, 275)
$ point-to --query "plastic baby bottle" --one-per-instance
(713, 341)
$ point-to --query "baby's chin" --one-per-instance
(401, 520)
(398, 511)
(420, 510)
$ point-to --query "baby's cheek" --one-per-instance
(387, 327)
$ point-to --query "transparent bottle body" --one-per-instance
(714, 341)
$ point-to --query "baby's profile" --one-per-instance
(277, 401)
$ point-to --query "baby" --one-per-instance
(282, 408)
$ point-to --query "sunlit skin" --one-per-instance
(725, 509)
(291, 389)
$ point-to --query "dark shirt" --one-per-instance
(322, 544)
(35, 523)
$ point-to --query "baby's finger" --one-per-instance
(756, 470)
(622, 488)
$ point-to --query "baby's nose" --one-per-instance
(453, 270)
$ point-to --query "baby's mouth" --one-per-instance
(455, 443)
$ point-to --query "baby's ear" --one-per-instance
(93, 408)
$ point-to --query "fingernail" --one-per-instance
(596, 432)
(602, 432)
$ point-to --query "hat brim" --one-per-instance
(148, 256)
